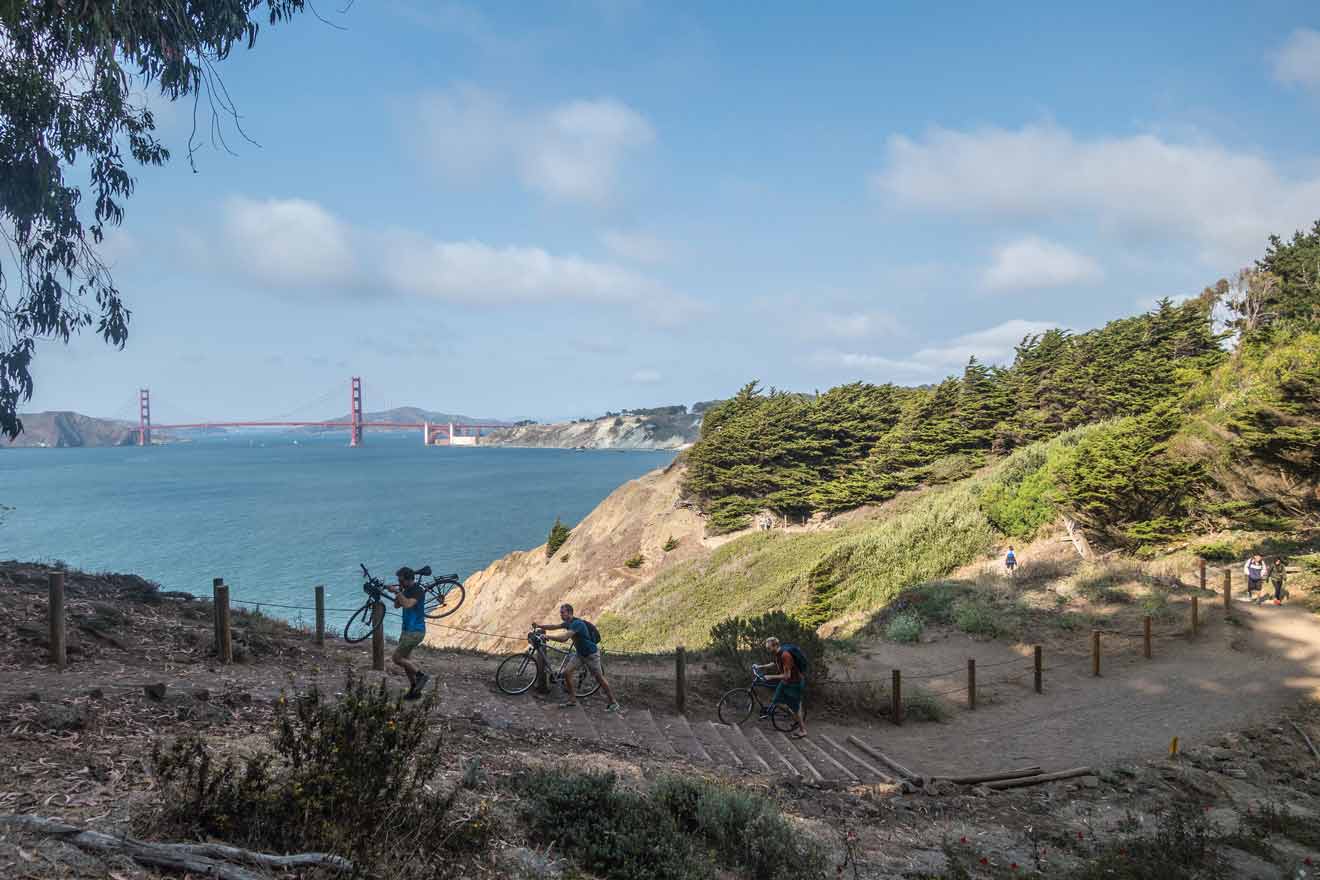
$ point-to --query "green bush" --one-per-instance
(671, 544)
(906, 626)
(635, 561)
(976, 617)
(558, 535)
(1217, 551)
(740, 641)
(329, 763)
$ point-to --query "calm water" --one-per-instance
(275, 519)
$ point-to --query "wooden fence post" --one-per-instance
(680, 680)
(1196, 618)
(58, 654)
(378, 636)
(1095, 652)
(1228, 591)
(215, 610)
(320, 614)
(971, 683)
(225, 649)
(1037, 664)
(896, 698)
(1201, 567)
(1146, 634)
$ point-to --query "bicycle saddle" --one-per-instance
(424, 571)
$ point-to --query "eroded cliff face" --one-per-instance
(588, 571)
(626, 431)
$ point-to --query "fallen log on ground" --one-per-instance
(1309, 744)
(889, 762)
(208, 859)
(1037, 780)
(989, 777)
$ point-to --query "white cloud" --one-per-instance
(288, 242)
(1033, 262)
(995, 345)
(857, 325)
(292, 244)
(571, 151)
(645, 376)
(637, 247)
(1297, 62)
(1224, 202)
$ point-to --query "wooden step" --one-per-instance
(778, 761)
(721, 753)
(829, 765)
(612, 727)
(678, 730)
(643, 724)
(569, 722)
(853, 757)
(741, 746)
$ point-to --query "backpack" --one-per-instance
(592, 632)
(799, 659)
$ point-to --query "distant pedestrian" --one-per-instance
(1010, 561)
(1278, 573)
(1256, 571)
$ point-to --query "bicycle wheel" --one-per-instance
(584, 683)
(443, 599)
(516, 673)
(359, 625)
(736, 706)
(782, 718)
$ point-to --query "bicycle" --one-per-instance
(736, 706)
(439, 591)
(517, 672)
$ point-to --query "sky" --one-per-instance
(550, 210)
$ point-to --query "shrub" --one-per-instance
(558, 535)
(1217, 551)
(740, 641)
(975, 616)
(635, 561)
(671, 544)
(329, 764)
(906, 626)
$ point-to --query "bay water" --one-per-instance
(276, 514)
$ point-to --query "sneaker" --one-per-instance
(613, 707)
(568, 704)
(422, 679)
(1278, 601)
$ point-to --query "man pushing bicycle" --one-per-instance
(791, 668)
(586, 653)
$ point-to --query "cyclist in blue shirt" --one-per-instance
(585, 654)
(410, 597)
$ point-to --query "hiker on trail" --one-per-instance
(1256, 571)
(792, 679)
(410, 597)
(1010, 561)
(586, 653)
(1278, 573)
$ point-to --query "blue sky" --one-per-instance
(550, 210)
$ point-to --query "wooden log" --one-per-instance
(1078, 538)
(991, 777)
(58, 655)
(857, 759)
(1201, 573)
(1037, 780)
(320, 614)
(1196, 619)
(378, 636)
(207, 859)
(889, 762)
(1036, 662)
(896, 698)
(971, 683)
(680, 680)
(1095, 652)
(215, 611)
(1228, 591)
(226, 644)
(1146, 635)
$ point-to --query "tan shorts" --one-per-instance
(408, 640)
(591, 661)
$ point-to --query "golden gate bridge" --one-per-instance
(433, 433)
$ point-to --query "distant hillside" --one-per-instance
(412, 414)
(665, 427)
(57, 429)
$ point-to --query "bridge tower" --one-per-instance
(355, 417)
(144, 417)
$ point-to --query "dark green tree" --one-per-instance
(68, 74)
(558, 535)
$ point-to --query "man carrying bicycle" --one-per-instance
(411, 598)
(586, 654)
(791, 682)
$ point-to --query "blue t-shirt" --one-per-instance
(414, 618)
(581, 637)
(1010, 559)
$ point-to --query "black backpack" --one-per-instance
(592, 632)
(799, 659)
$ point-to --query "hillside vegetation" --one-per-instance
(1146, 433)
